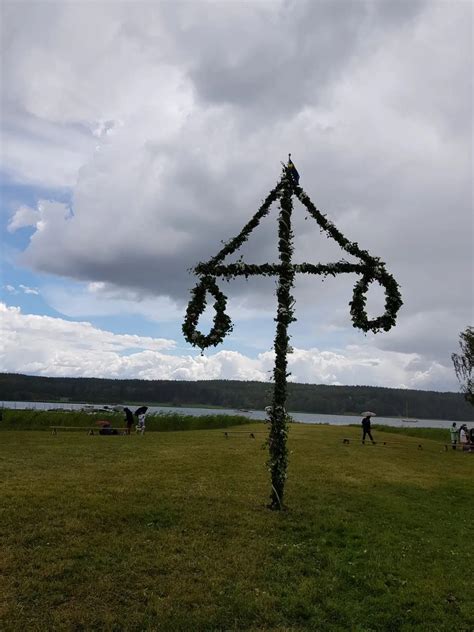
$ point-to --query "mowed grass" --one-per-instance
(170, 531)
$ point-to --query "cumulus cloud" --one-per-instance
(102, 299)
(22, 217)
(52, 346)
(21, 288)
(168, 129)
(42, 345)
(28, 290)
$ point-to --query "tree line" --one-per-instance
(310, 398)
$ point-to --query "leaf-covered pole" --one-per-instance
(278, 450)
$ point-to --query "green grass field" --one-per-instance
(170, 531)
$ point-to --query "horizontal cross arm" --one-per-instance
(274, 269)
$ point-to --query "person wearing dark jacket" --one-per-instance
(366, 428)
(128, 419)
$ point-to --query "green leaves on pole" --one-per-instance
(278, 452)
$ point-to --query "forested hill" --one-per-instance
(309, 398)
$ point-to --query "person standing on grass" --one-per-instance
(367, 429)
(463, 439)
(128, 419)
(140, 427)
(453, 431)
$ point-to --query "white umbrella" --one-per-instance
(368, 414)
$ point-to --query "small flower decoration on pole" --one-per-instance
(369, 268)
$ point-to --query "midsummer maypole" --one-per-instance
(370, 268)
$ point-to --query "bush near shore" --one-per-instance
(17, 419)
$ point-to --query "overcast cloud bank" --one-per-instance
(165, 124)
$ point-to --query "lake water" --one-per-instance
(254, 415)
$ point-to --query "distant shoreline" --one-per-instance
(308, 399)
(253, 415)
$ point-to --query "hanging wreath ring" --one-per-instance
(393, 301)
(222, 323)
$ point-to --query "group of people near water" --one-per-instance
(140, 413)
(462, 436)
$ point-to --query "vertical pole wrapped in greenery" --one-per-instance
(278, 418)
(370, 268)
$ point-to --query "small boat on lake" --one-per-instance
(407, 420)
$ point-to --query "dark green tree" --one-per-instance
(464, 363)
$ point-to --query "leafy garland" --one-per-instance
(222, 322)
(278, 451)
(371, 269)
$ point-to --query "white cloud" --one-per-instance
(22, 217)
(53, 346)
(366, 365)
(40, 152)
(21, 288)
(29, 290)
(42, 345)
(102, 299)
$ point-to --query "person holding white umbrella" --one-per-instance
(140, 413)
(366, 427)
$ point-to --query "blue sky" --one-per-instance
(136, 138)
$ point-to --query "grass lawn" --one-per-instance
(170, 532)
